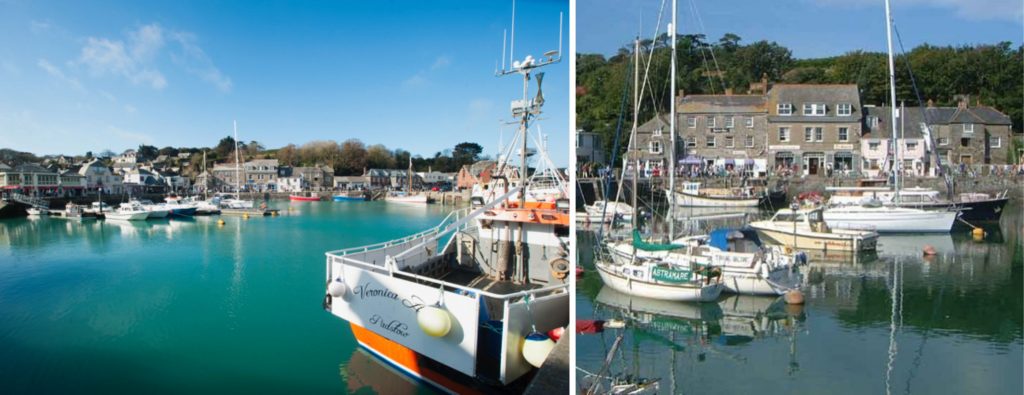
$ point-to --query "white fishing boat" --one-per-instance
(805, 229)
(408, 196)
(465, 306)
(692, 195)
(37, 212)
(889, 219)
(75, 212)
(128, 212)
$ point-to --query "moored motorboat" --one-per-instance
(304, 197)
(692, 195)
(128, 212)
(889, 219)
(75, 212)
(37, 212)
(807, 230)
(351, 196)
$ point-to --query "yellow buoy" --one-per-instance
(245, 216)
(220, 222)
(978, 233)
(273, 213)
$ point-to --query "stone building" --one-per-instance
(256, 175)
(814, 128)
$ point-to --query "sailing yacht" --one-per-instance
(235, 201)
(466, 306)
(408, 196)
(891, 218)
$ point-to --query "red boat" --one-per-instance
(304, 197)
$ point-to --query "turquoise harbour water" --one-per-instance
(175, 306)
(890, 323)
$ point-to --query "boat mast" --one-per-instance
(672, 132)
(410, 175)
(238, 178)
(636, 119)
(206, 181)
(892, 100)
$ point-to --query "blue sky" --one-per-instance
(78, 76)
(810, 28)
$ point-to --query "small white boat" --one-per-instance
(807, 230)
(890, 219)
(692, 195)
(154, 210)
(97, 208)
(128, 212)
(36, 212)
(231, 201)
(75, 212)
(655, 279)
(404, 198)
(603, 211)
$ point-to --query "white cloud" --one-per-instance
(1008, 10)
(136, 58)
(57, 73)
(104, 56)
(195, 61)
(441, 62)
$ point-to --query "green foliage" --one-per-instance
(991, 74)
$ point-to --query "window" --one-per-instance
(873, 122)
(844, 134)
(911, 145)
(844, 109)
(654, 147)
(749, 121)
(995, 142)
(711, 142)
(968, 128)
(783, 134)
(814, 109)
(874, 145)
(691, 122)
(657, 132)
(711, 122)
(750, 141)
(812, 134)
(691, 141)
(785, 109)
(729, 142)
(943, 140)
(965, 142)
(730, 122)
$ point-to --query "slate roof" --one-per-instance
(32, 168)
(935, 116)
(829, 94)
(723, 104)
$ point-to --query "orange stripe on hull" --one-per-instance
(407, 359)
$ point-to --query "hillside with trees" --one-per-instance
(990, 74)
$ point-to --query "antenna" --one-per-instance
(529, 62)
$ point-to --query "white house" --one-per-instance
(128, 156)
(99, 176)
(292, 184)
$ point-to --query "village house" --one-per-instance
(588, 148)
(316, 178)
(99, 176)
(876, 143)
(256, 175)
(129, 157)
(470, 175)
(400, 180)
(727, 131)
(71, 183)
(30, 179)
(346, 183)
(814, 129)
(433, 178)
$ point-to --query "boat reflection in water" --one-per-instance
(364, 374)
(695, 329)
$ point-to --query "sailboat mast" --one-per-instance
(206, 179)
(636, 119)
(525, 125)
(410, 174)
(672, 132)
(238, 177)
(892, 99)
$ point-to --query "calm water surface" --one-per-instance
(893, 322)
(186, 306)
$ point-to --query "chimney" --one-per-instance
(931, 103)
(728, 91)
(681, 94)
(962, 101)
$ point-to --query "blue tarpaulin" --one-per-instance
(720, 238)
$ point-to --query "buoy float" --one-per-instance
(929, 250)
(978, 233)
(536, 348)
(245, 216)
(556, 333)
(273, 213)
(337, 288)
(794, 296)
(220, 222)
(434, 321)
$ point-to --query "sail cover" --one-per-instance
(640, 244)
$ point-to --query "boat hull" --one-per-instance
(688, 200)
(891, 219)
(818, 241)
(982, 210)
(183, 212)
(133, 216)
(413, 364)
(419, 199)
(675, 293)
(346, 198)
(304, 198)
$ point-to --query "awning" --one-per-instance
(690, 160)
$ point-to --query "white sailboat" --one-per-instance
(891, 218)
(408, 196)
(235, 201)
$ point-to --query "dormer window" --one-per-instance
(657, 132)
(968, 128)
(814, 109)
(873, 122)
(654, 147)
(844, 109)
(785, 109)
